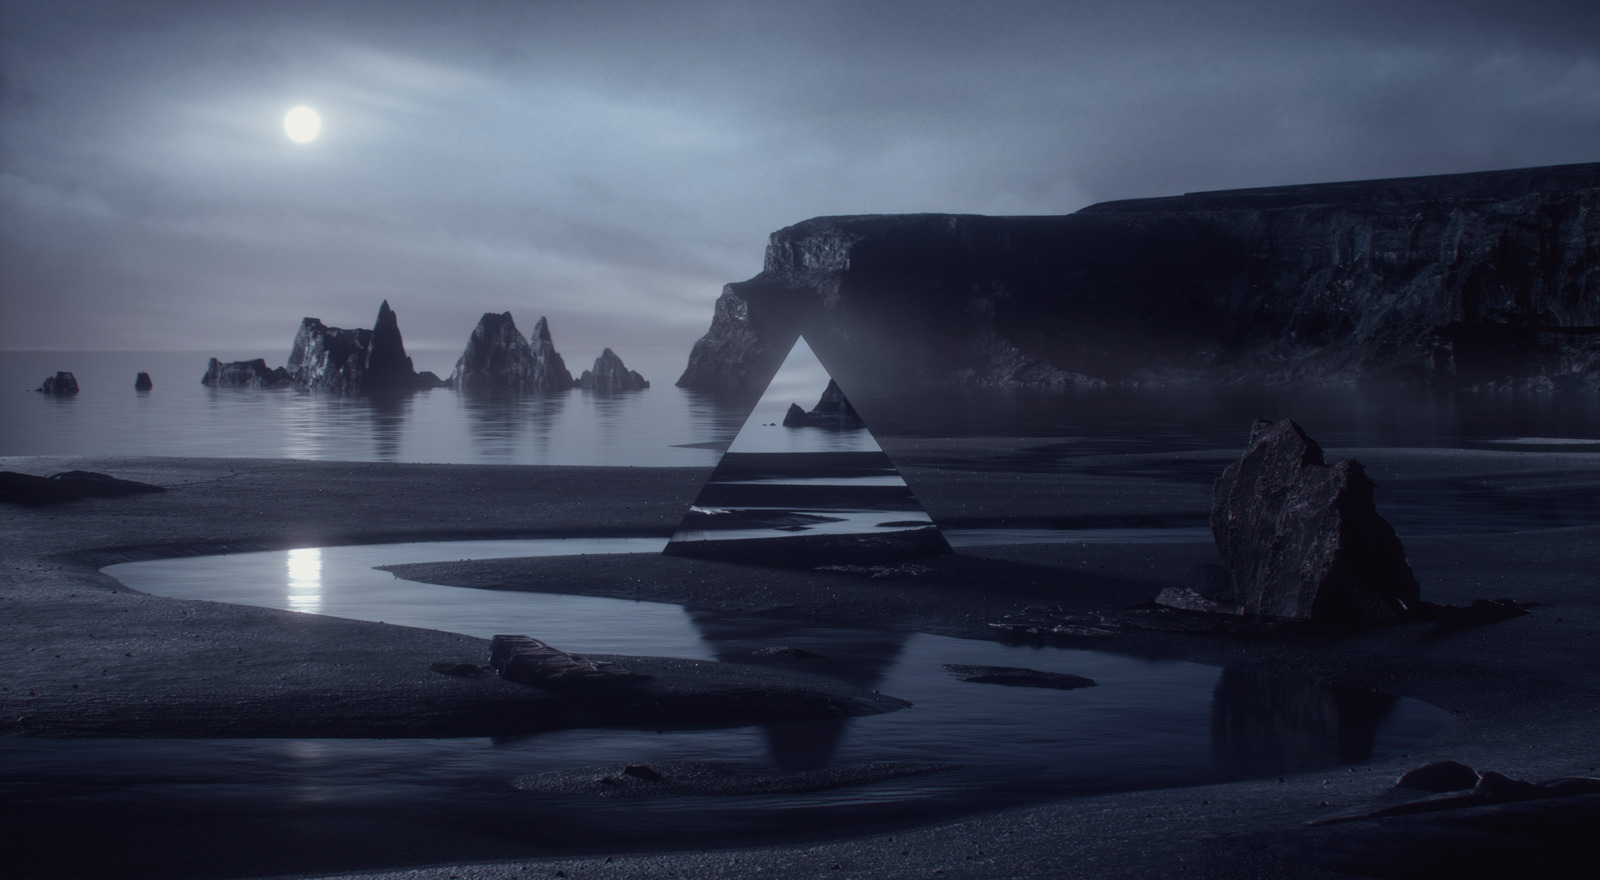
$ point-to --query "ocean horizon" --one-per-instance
(666, 426)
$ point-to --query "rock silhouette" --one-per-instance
(1484, 280)
(610, 374)
(1303, 539)
(498, 356)
(61, 384)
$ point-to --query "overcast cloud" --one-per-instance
(611, 165)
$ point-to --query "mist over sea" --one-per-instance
(668, 426)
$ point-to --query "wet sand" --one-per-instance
(1524, 692)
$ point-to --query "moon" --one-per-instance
(302, 125)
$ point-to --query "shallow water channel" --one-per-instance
(255, 806)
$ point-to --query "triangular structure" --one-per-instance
(800, 489)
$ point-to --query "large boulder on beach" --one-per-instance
(499, 357)
(610, 374)
(833, 410)
(60, 384)
(1302, 539)
(245, 374)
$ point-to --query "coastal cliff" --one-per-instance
(1487, 280)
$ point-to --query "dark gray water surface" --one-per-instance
(669, 426)
(208, 807)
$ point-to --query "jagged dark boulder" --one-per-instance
(60, 384)
(610, 374)
(329, 358)
(245, 374)
(387, 368)
(832, 411)
(498, 356)
(1303, 539)
(1488, 280)
(142, 382)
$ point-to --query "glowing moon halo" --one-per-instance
(302, 124)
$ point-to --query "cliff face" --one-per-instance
(1473, 280)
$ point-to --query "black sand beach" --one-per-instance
(85, 656)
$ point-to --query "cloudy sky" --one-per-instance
(612, 164)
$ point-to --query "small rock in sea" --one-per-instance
(61, 384)
(833, 410)
(142, 382)
(1439, 776)
(1017, 676)
(610, 375)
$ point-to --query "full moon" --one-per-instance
(302, 124)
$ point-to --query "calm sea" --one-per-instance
(669, 426)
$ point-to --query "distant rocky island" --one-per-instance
(1483, 281)
(497, 357)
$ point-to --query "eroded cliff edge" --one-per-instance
(1486, 280)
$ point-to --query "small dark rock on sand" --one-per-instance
(695, 778)
(1017, 676)
(20, 488)
(529, 661)
(1439, 776)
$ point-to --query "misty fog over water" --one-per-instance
(668, 426)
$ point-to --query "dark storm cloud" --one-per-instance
(615, 163)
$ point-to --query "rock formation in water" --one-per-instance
(386, 367)
(142, 382)
(498, 356)
(325, 358)
(245, 374)
(61, 384)
(328, 358)
(1487, 280)
(832, 411)
(1303, 539)
(610, 374)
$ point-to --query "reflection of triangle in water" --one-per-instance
(804, 495)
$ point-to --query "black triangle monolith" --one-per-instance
(799, 488)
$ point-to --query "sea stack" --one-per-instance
(387, 368)
(498, 356)
(610, 374)
(245, 374)
(61, 384)
(142, 382)
(833, 410)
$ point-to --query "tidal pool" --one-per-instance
(209, 807)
